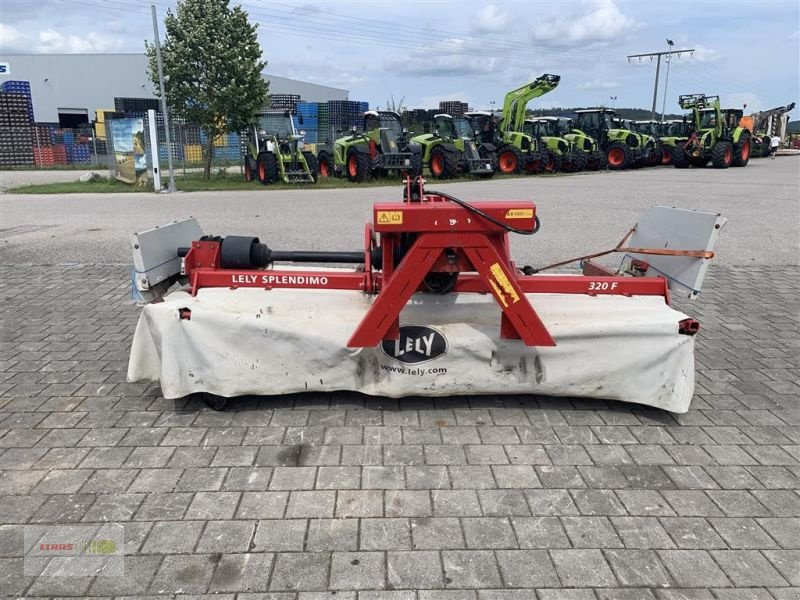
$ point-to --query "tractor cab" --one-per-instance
(275, 127)
(452, 128)
(385, 128)
(485, 123)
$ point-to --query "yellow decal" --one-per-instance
(504, 283)
(519, 213)
(499, 293)
(390, 217)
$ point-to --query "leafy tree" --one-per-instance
(212, 60)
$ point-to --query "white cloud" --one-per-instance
(593, 21)
(705, 54)
(490, 20)
(598, 84)
(10, 37)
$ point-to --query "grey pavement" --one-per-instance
(324, 496)
(580, 213)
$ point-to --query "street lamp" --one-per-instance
(670, 43)
(613, 100)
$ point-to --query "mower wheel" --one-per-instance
(213, 401)
(357, 166)
(249, 168)
(678, 157)
(509, 160)
(618, 156)
(313, 165)
(267, 168)
(722, 155)
(325, 162)
(443, 164)
(741, 152)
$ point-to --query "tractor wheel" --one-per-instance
(618, 156)
(313, 165)
(267, 170)
(666, 155)
(443, 164)
(249, 168)
(581, 160)
(741, 152)
(416, 167)
(325, 163)
(766, 141)
(655, 157)
(596, 161)
(509, 160)
(678, 157)
(551, 162)
(574, 161)
(357, 166)
(722, 155)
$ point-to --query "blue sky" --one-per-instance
(748, 52)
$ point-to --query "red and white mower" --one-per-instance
(434, 306)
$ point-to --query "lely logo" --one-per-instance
(417, 344)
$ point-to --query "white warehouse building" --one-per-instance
(65, 88)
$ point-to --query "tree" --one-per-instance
(212, 67)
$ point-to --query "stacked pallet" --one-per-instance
(282, 101)
(346, 114)
(17, 133)
(22, 88)
(453, 107)
(138, 106)
(323, 124)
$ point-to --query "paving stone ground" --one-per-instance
(314, 497)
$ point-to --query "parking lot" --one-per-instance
(339, 495)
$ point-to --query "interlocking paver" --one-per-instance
(486, 498)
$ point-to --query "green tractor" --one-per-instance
(517, 152)
(670, 133)
(650, 133)
(595, 157)
(275, 151)
(381, 148)
(623, 148)
(452, 150)
(550, 134)
(716, 135)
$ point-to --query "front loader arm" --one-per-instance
(517, 100)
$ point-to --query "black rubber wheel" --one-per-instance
(596, 161)
(213, 401)
(509, 160)
(313, 165)
(249, 168)
(357, 166)
(267, 168)
(742, 150)
(443, 164)
(618, 156)
(551, 162)
(722, 155)
(326, 164)
(678, 157)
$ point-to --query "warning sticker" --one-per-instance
(503, 286)
(390, 217)
(519, 213)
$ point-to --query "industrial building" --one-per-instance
(68, 88)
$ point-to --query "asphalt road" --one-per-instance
(580, 214)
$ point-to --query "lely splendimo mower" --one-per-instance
(433, 305)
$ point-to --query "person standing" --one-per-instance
(774, 143)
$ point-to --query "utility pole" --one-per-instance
(163, 100)
(670, 43)
(658, 56)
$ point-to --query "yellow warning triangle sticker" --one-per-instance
(383, 218)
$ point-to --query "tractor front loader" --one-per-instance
(451, 150)
(623, 148)
(550, 132)
(275, 152)
(716, 135)
(518, 152)
(382, 148)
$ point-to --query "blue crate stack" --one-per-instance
(310, 113)
(20, 87)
